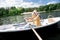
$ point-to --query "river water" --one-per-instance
(19, 19)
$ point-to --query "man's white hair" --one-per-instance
(35, 11)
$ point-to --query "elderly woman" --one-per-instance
(34, 18)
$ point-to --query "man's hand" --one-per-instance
(28, 19)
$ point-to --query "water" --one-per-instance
(11, 19)
(19, 19)
(54, 14)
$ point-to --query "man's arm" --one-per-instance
(28, 19)
(36, 17)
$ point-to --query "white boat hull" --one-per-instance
(24, 26)
(27, 34)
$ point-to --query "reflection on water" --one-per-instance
(11, 19)
(18, 19)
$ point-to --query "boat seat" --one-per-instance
(50, 19)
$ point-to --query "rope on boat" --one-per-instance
(35, 32)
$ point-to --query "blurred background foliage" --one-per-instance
(12, 11)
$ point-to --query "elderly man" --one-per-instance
(34, 18)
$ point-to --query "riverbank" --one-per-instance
(50, 11)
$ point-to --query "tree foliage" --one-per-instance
(17, 11)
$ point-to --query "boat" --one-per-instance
(23, 30)
(25, 26)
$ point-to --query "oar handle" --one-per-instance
(35, 32)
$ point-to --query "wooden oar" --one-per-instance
(35, 32)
